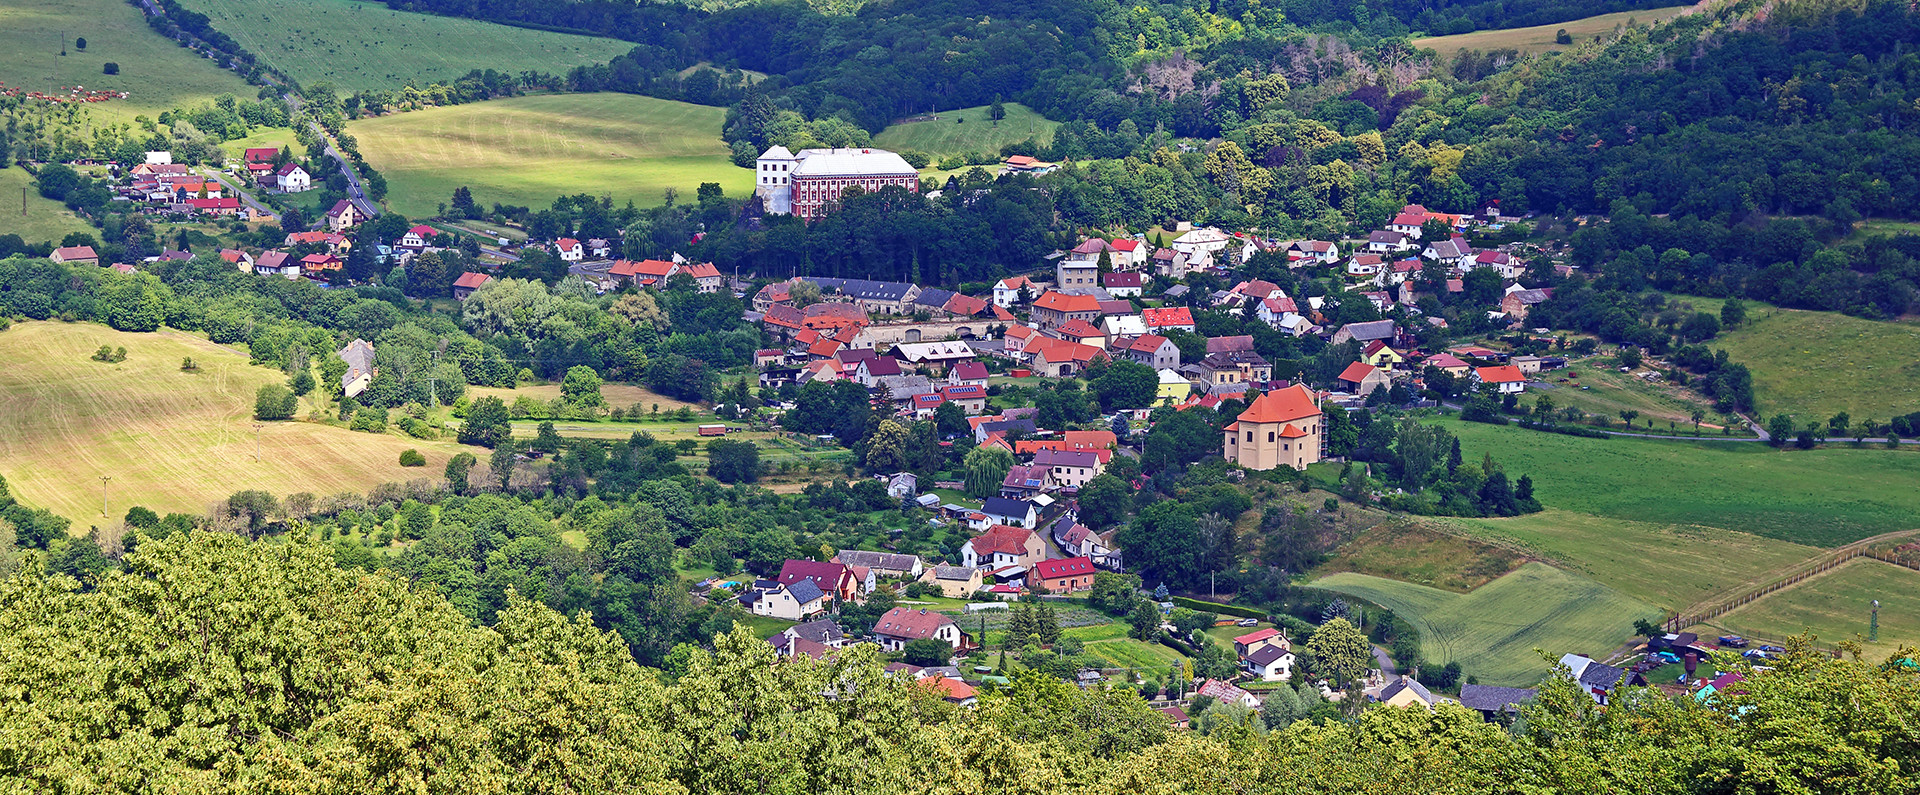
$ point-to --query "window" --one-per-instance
(1249, 436)
(1269, 436)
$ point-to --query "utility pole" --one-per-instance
(103, 495)
(256, 441)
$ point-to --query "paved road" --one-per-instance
(498, 253)
(246, 197)
(1385, 662)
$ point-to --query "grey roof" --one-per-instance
(1266, 655)
(359, 358)
(1602, 675)
(1001, 506)
(819, 630)
(1488, 698)
(804, 591)
(889, 561)
(1369, 331)
(933, 297)
(1530, 296)
(863, 288)
(1177, 290)
(1232, 359)
(1006, 425)
(1385, 236)
(906, 386)
(953, 573)
(1406, 683)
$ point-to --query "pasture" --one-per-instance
(1813, 365)
(1540, 38)
(1493, 630)
(45, 220)
(358, 46)
(1609, 392)
(157, 72)
(530, 150)
(1835, 607)
(1825, 497)
(967, 130)
(170, 440)
(1399, 551)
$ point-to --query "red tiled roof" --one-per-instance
(906, 622)
(1068, 567)
(1168, 316)
(424, 231)
(968, 371)
(1080, 328)
(950, 689)
(1002, 538)
(1282, 405)
(703, 270)
(1147, 343)
(1504, 374)
(1061, 302)
(566, 243)
(1445, 361)
(966, 305)
(260, 155)
(471, 280)
(1357, 372)
(1122, 280)
(1256, 636)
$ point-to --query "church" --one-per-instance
(1280, 427)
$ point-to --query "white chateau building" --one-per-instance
(805, 183)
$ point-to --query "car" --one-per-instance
(1667, 657)
(1248, 622)
(1733, 641)
(1773, 649)
(1756, 654)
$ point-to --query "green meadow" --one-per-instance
(967, 130)
(157, 72)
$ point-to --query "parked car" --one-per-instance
(1773, 649)
(1733, 641)
(1248, 622)
(1667, 657)
(1756, 654)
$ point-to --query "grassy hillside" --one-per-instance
(1540, 38)
(1493, 631)
(172, 441)
(1835, 606)
(529, 150)
(1822, 497)
(45, 219)
(358, 45)
(1816, 364)
(159, 73)
(967, 130)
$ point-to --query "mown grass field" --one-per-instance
(621, 395)
(362, 45)
(529, 150)
(1835, 607)
(45, 220)
(159, 73)
(1609, 392)
(1814, 365)
(949, 135)
(1540, 38)
(171, 440)
(1399, 551)
(1493, 631)
(1824, 497)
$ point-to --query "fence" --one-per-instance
(1723, 607)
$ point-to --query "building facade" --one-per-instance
(807, 184)
(1281, 427)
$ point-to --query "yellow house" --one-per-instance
(1174, 388)
(1279, 428)
(1380, 355)
(1406, 693)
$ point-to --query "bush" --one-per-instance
(274, 402)
(412, 458)
(1213, 607)
(369, 419)
(111, 68)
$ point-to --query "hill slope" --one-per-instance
(158, 73)
(170, 440)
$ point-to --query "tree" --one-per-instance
(581, 387)
(110, 68)
(301, 383)
(1779, 430)
(887, 448)
(996, 111)
(1646, 629)
(274, 402)
(1164, 542)
(487, 424)
(1215, 660)
(1103, 502)
(412, 458)
(463, 206)
(950, 421)
(927, 652)
(733, 461)
(1562, 37)
(1143, 620)
(80, 44)
(1126, 385)
(1341, 650)
(458, 468)
(1282, 708)
(986, 469)
(1733, 313)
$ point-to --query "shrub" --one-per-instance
(412, 458)
(369, 419)
(274, 402)
(111, 68)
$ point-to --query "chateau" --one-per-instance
(805, 184)
(1280, 427)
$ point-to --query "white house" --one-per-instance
(293, 179)
(792, 601)
(417, 237)
(903, 625)
(1506, 378)
(570, 249)
(1363, 265)
(1017, 513)
(1007, 292)
(1270, 663)
(1207, 239)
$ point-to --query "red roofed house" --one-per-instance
(237, 258)
(1070, 575)
(467, 283)
(705, 275)
(966, 373)
(1154, 351)
(1281, 427)
(645, 273)
(1361, 378)
(570, 249)
(1003, 545)
(953, 690)
(75, 255)
(312, 264)
(1121, 285)
(335, 243)
(1007, 292)
(1252, 641)
(1448, 362)
(1129, 253)
(1506, 378)
(1077, 330)
(277, 263)
(1055, 309)
(1059, 358)
(292, 178)
(971, 398)
(226, 206)
(835, 579)
(903, 625)
(418, 237)
(1160, 320)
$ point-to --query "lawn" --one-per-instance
(1669, 566)
(45, 220)
(1493, 631)
(621, 395)
(1814, 365)
(262, 137)
(530, 150)
(363, 45)
(1826, 497)
(1398, 551)
(967, 130)
(1835, 606)
(170, 440)
(1153, 660)
(1540, 38)
(157, 72)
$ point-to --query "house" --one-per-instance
(1153, 351)
(972, 398)
(1379, 354)
(1082, 332)
(277, 263)
(791, 601)
(903, 625)
(1018, 513)
(291, 178)
(1022, 164)
(1319, 252)
(1501, 262)
(1123, 325)
(821, 632)
(1204, 240)
(706, 277)
(1364, 332)
(1162, 320)
(1000, 425)
(360, 369)
(317, 264)
(1010, 291)
(647, 273)
(570, 250)
(1070, 468)
(952, 690)
(467, 283)
(886, 298)
(1496, 704)
(1056, 308)
(869, 371)
(1518, 303)
(1598, 679)
(1128, 253)
(1448, 363)
(1080, 269)
(1003, 545)
(1388, 242)
(418, 237)
(75, 255)
(968, 373)
(343, 216)
(1280, 428)
(1121, 285)
(1269, 663)
(1364, 266)
(1225, 693)
(1174, 388)
(237, 258)
(264, 154)
(1408, 221)
(903, 485)
(1063, 575)
(835, 579)
(1260, 638)
(1059, 358)
(1177, 715)
(884, 564)
(954, 582)
(1406, 692)
(1277, 311)
(1361, 378)
(1507, 379)
(1234, 367)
